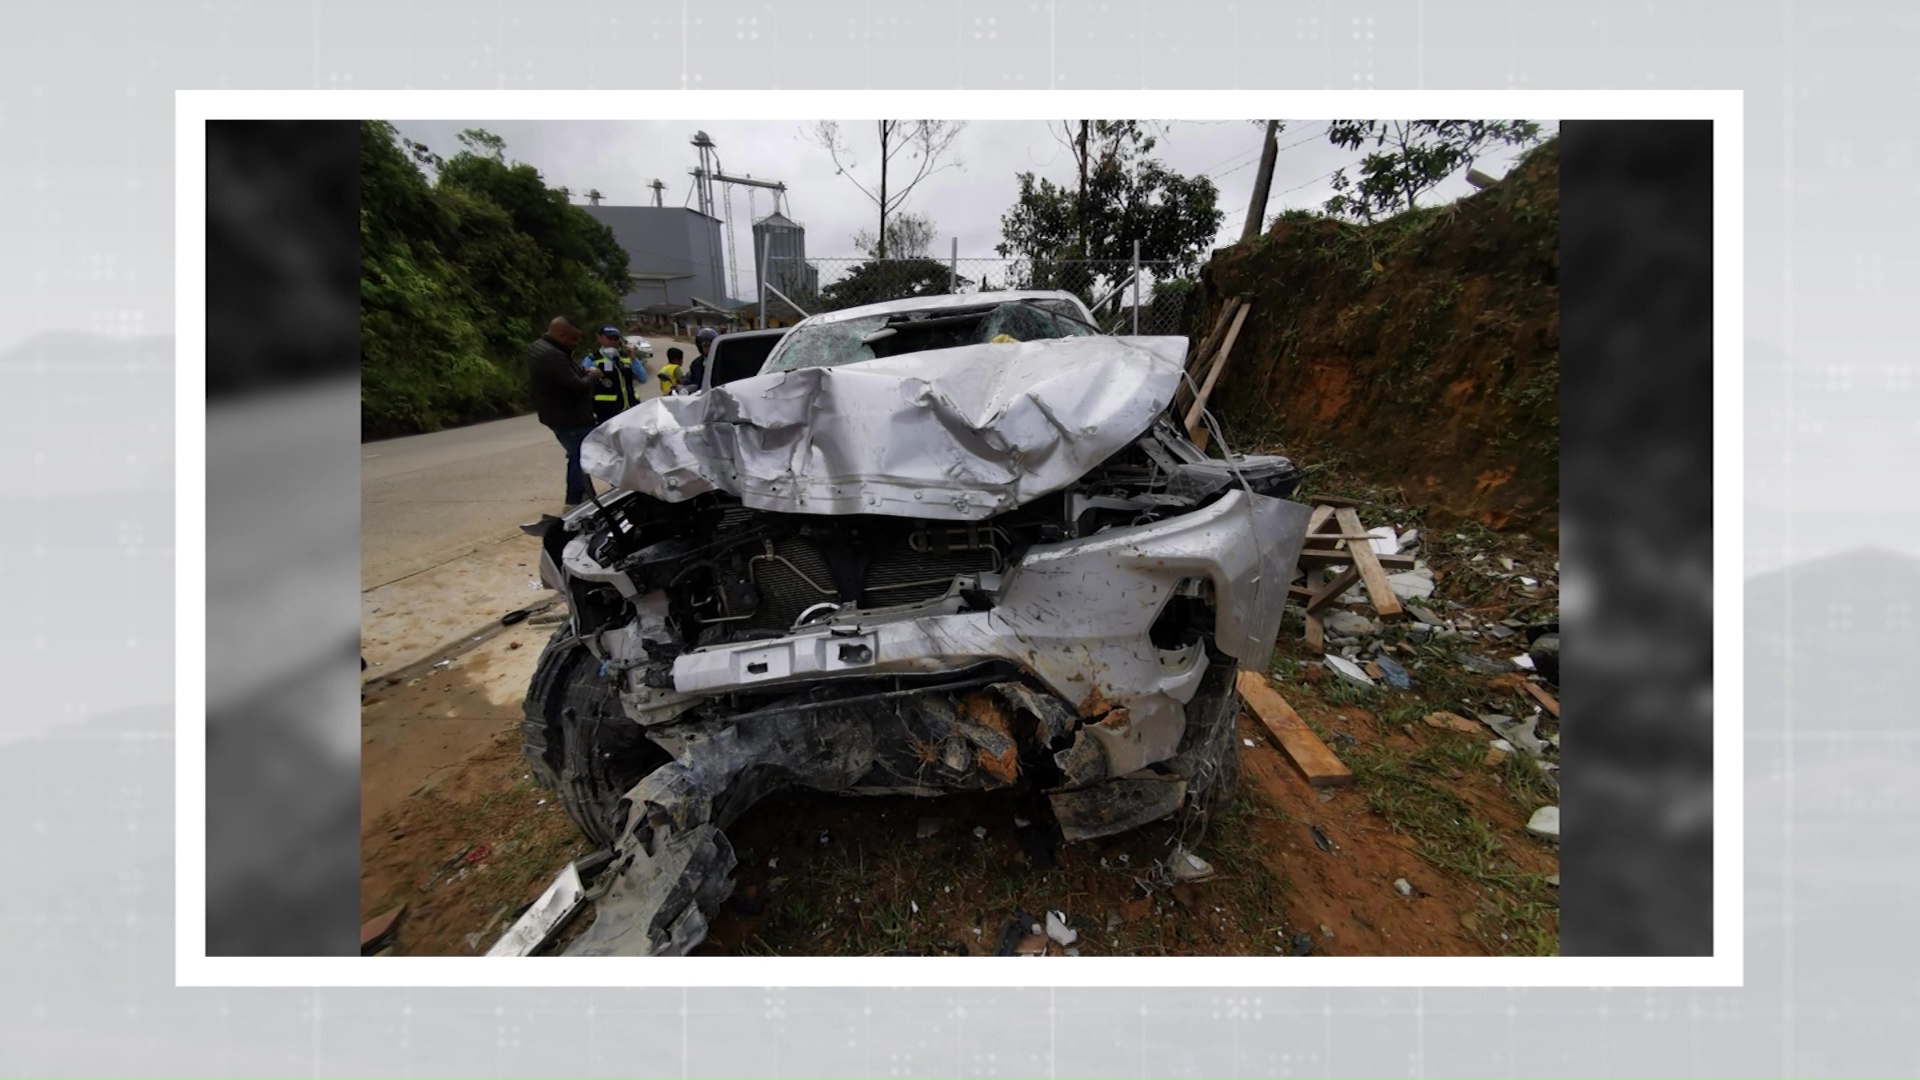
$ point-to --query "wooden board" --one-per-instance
(1197, 363)
(1318, 519)
(1545, 699)
(1335, 500)
(1316, 634)
(1194, 428)
(1308, 754)
(1319, 556)
(1385, 604)
(1330, 592)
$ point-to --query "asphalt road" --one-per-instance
(426, 500)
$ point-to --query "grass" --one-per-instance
(1412, 791)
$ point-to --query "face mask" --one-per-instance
(609, 352)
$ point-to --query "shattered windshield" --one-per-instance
(876, 336)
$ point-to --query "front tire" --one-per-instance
(577, 741)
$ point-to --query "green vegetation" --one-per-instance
(458, 272)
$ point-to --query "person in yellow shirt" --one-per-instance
(670, 372)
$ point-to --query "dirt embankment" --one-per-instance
(1421, 352)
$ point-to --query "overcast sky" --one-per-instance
(966, 201)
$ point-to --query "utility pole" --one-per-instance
(659, 193)
(1257, 209)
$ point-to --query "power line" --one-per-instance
(1311, 182)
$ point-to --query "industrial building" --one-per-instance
(780, 245)
(675, 256)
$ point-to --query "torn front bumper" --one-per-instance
(1077, 616)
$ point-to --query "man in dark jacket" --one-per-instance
(562, 393)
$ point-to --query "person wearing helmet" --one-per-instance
(612, 360)
(696, 374)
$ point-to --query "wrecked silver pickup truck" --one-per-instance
(936, 545)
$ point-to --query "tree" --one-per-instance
(909, 236)
(459, 272)
(925, 147)
(1128, 195)
(874, 282)
(1410, 158)
(484, 143)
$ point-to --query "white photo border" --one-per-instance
(193, 108)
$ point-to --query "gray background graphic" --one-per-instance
(86, 257)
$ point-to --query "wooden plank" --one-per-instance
(1316, 635)
(1333, 589)
(1318, 556)
(1318, 519)
(1193, 425)
(1545, 699)
(1366, 560)
(1317, 763)
(1197, 362)
(1340, 537)
(1335, 500)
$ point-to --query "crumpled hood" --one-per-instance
(952, 434)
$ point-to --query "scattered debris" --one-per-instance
(545, 916)
(1520, 733)
(1424, 615)
(1451, 721)
(1547, 702)
(1523, 662)
(1303, 944)
(979, 832)
(1248, 742)
(1349, 669)
(1527, 581)
(1503, 746)
(1347, 624)
(1545, 822)
(1405, 887)
(1411, 585)
(927, 826)
(1501, 631)
(1058, 930)
(1189, 868)
(1320, 839)
(1494, 757)
(1384, 541)
(1021, 823)
(1391, 671)
(1409, 538)
(1553, 880)
(1480, 665)
(378, 932)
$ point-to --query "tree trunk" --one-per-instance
(1408, 172)
(1080, 201)
(881, 243)
(1257, 209)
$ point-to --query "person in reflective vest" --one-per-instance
(613, 359)
(670, 373)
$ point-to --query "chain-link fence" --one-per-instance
(1149, 299)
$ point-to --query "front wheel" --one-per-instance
(577, 741)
